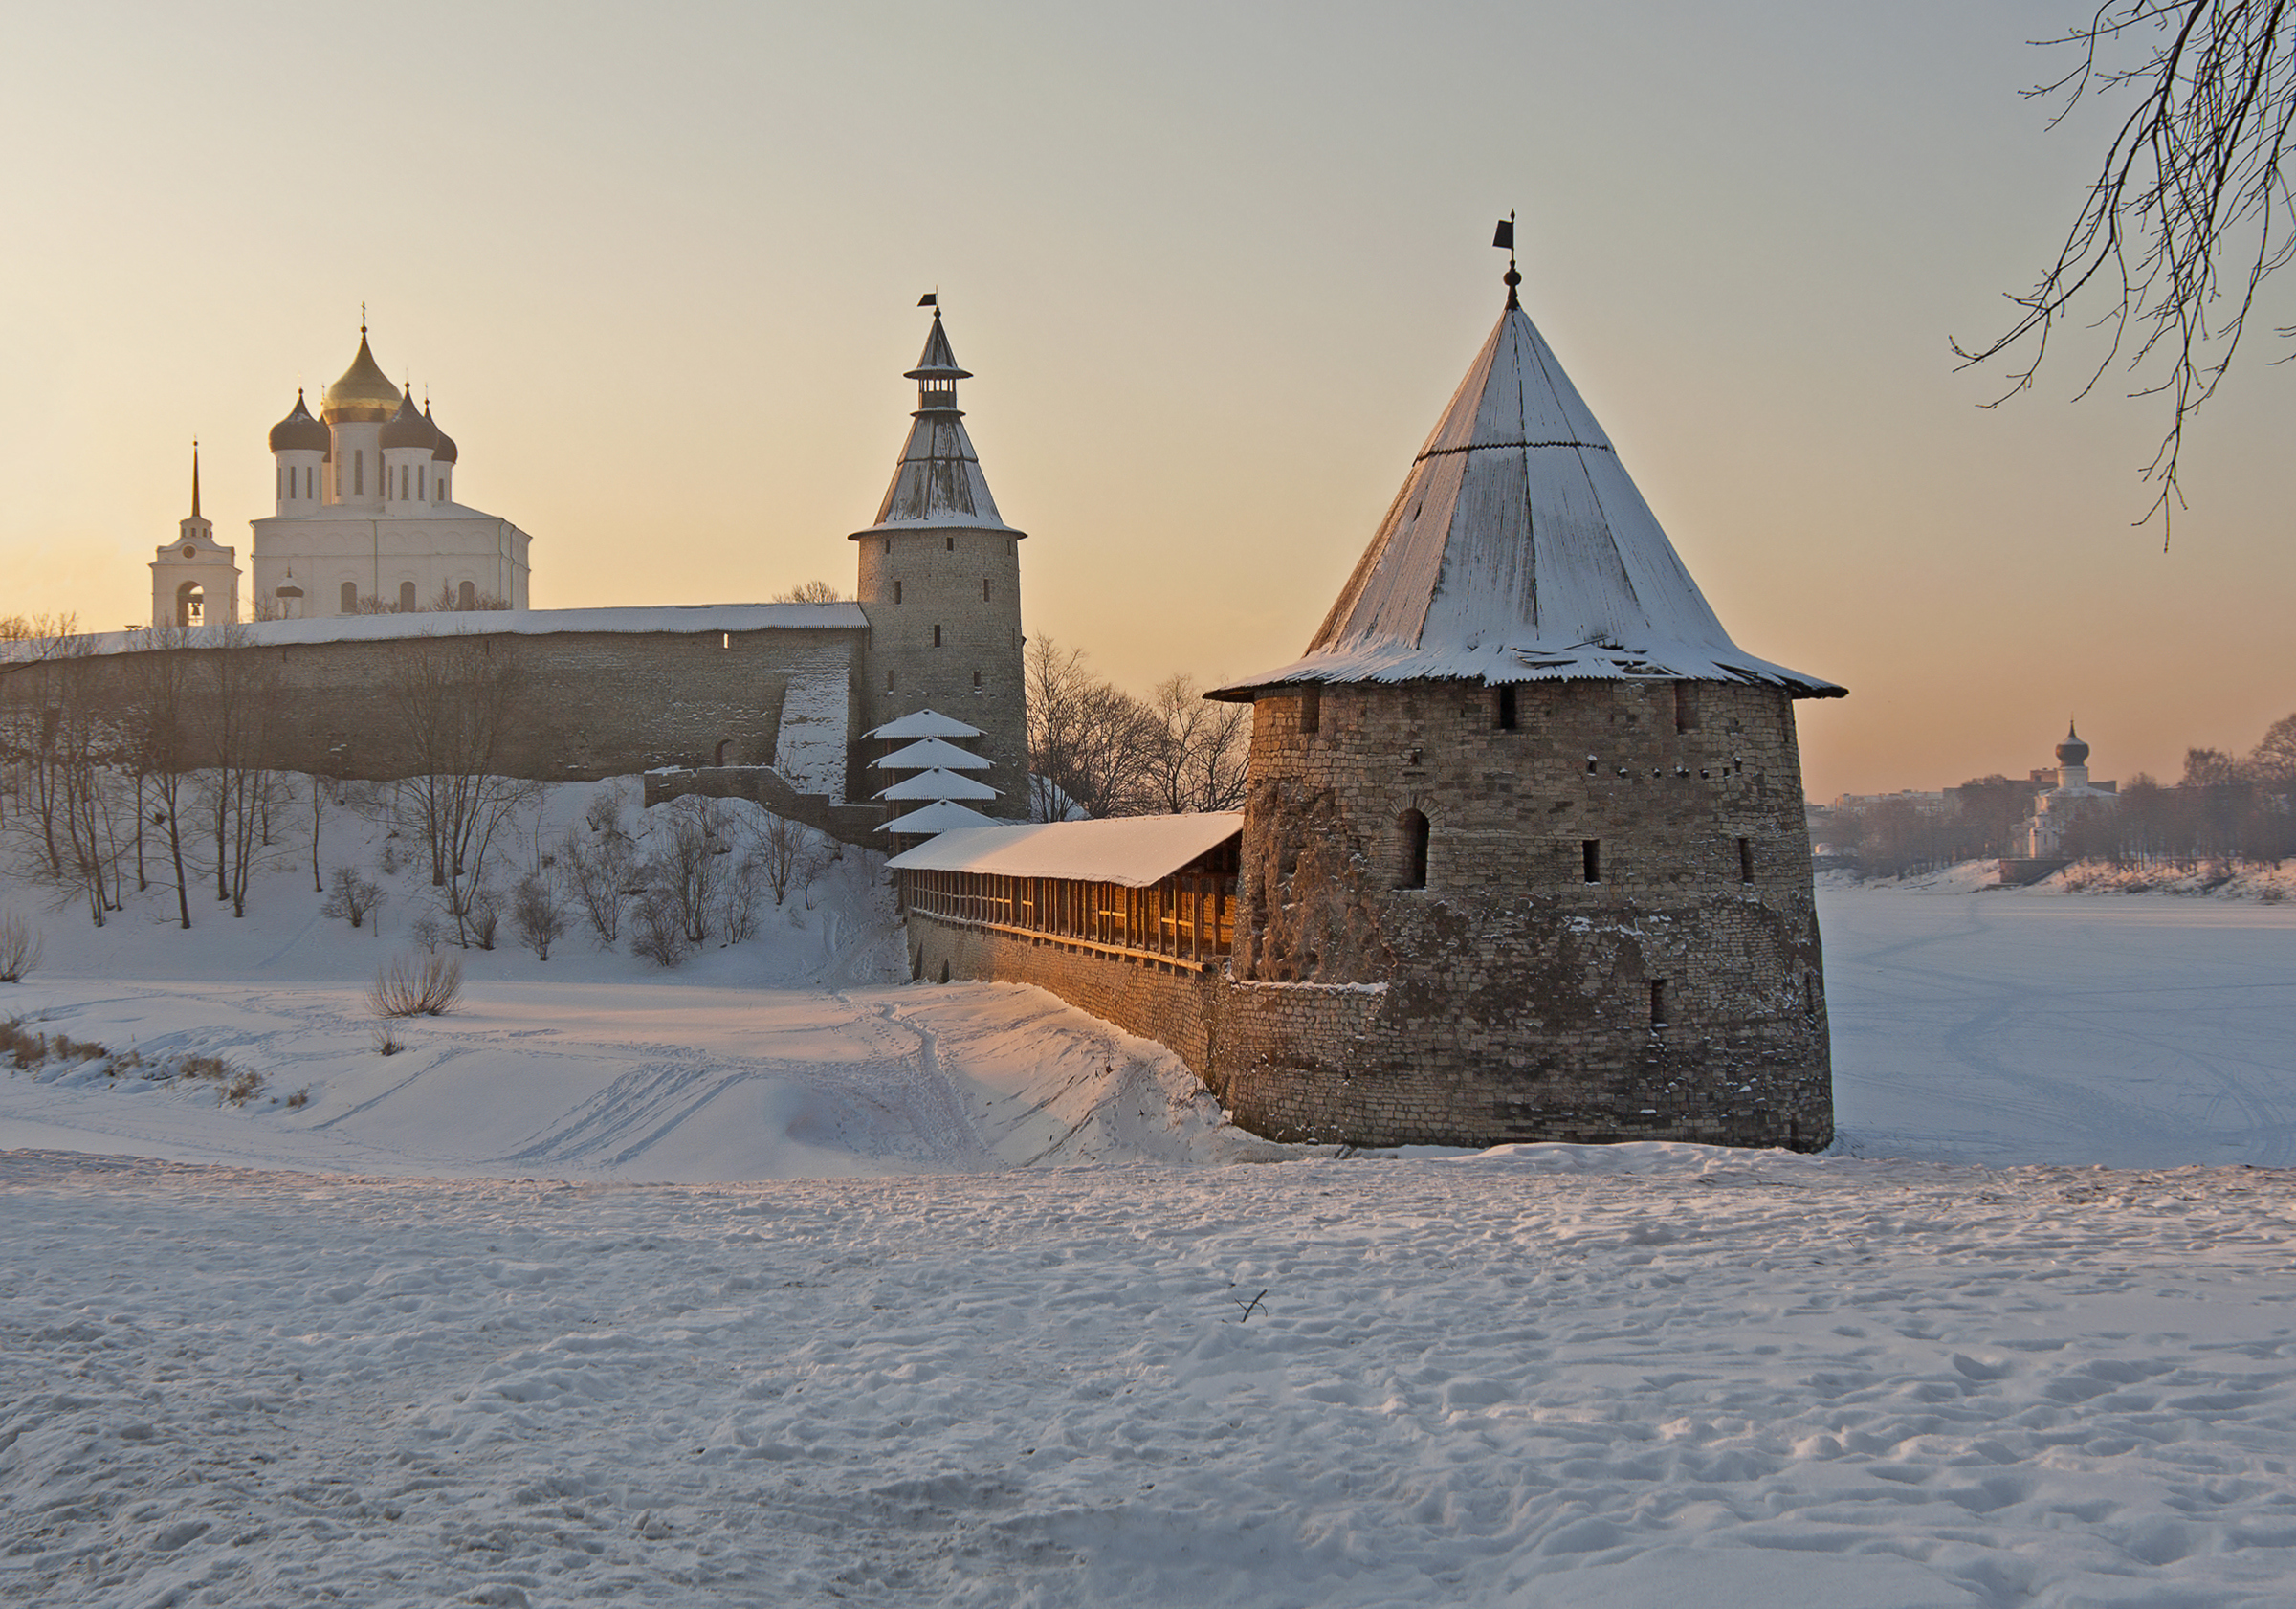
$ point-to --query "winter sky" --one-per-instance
(1216, 268)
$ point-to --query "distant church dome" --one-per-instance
(443, 449)
(299, 432)
(2072, 751)
(365, 392)
(409, 427)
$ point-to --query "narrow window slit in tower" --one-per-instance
(952, 544)
(1745, 860)
(896, 591)
(1658, 1003)
(1310, 712)
(976, 678)
(985, 591)
(1590, 854)
(1685, 707)
(1506, 717)
(936, 636)
(1415, 834)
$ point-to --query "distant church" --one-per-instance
(366, 522)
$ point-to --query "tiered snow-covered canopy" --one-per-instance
(1135, 851)
(1519, 551)
(938, 484)
(943, 815)
(928, 754)
(924, 723)
(936, 784)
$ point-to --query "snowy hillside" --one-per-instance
(775, 1279)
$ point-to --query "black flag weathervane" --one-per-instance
(1504, 240)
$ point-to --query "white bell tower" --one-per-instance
(195, 579)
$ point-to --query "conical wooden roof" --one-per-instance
(1519, 550)
(938, 485)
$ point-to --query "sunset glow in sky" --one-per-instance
(1216, 268)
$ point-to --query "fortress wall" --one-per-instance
(589, 704)
(1510, 999)
(1520, 999)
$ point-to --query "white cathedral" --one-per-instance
(366, 522)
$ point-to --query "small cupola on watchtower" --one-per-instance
(195, 578)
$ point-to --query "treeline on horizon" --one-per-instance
(2224, 807)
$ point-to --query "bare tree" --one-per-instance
(1196, 760)
(355, 896)
(689, 862)
(2190, 212)
(1089, 740)
(810, 592)
(537, 911)
(238, 703)
(783, 848)
(602, 871)
(451, 700)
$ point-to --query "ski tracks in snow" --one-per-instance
(1549, 1378)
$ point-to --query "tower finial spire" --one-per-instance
(1505, 239)
(195, 477)
(363, 321)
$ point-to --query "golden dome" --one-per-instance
(365, 392)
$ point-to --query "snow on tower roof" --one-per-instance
(924, 723)
(938, 784)
(1519, 550)
(943, 815)
(1134, 851)
(938, 484)
(930, 754)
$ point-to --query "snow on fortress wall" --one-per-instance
(602, 691)
(1615, 936)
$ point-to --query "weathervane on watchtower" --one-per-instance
(1505, 240)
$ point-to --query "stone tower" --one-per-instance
(1524, 785)
(940, 583)
(195, 578)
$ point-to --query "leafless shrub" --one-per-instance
(23, 1050)
(810, 592)
(482, 918)
(787, 853)
(416, 986)
(391, 856)
(353, 896)
(604, 814)
(19, 947)
(537, 911)
(386, 1040)
(601, 871)
(430, 931)
(691, 862)
(738, 901)
(657, 930)
(302, 1096)
(240, 1088)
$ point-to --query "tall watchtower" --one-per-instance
(1525, 785)
(940, 583)
(195, 578)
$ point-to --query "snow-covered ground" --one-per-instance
(774, 1280)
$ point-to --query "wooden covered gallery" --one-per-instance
(1157, 888)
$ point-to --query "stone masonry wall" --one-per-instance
(1509, 998)
(591, 705)
(1520, 1001)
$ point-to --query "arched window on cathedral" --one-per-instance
(1413, 830)
(406, 597)
(190, 605)
(350, 598)
(466, 597)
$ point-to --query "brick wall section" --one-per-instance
(1509, 999)
(593, 704)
